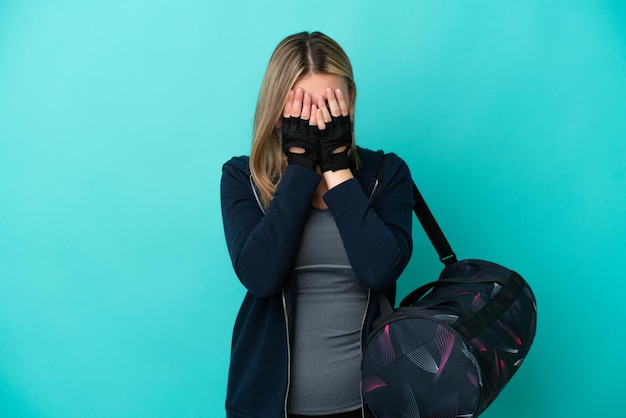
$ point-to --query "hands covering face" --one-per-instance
(317, 133)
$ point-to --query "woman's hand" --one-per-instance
(335, 131)
(299, 130)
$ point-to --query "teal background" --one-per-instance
(117, 296)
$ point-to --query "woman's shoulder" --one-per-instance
(371, 160)
(240, 164)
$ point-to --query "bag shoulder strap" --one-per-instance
(428, 222)
(430, 225)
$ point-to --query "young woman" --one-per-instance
(317, 228)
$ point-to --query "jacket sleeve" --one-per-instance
(262, 246)
(376, 234)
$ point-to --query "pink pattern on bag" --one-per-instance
(385, 348)
(445, 341)
(373, 382)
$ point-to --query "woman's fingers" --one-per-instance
(332, 102)
(288, 104)
(313, 119)
(293, 105)
(343, 106)
(296, 109)
(321, 104)
(319, 115)
(300, 105)
(337, 102)
(306, 107)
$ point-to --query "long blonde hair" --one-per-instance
(295, 57)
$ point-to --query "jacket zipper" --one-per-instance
(286, 317)
(367, 306)
(288, 350)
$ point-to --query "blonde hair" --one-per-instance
(294, 58)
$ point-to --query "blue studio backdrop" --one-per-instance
(117, 295)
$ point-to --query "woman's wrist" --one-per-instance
(335, 178)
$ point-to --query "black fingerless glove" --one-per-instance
(338, 133)
(296, 132)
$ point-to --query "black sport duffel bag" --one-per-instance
(453, 344)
